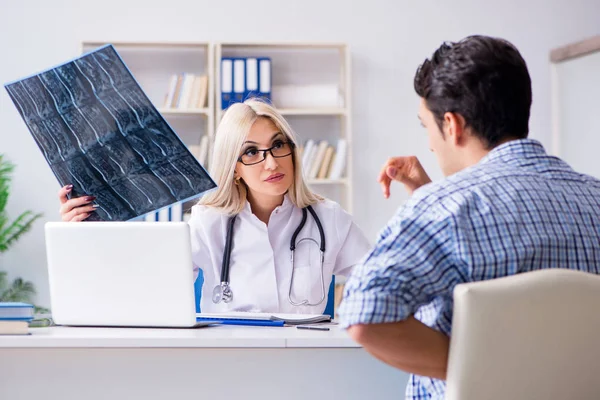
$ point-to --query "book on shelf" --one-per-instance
(226, 82)
(171, 91)
(252, 78)
(186, 91)
(199, 92)
(174, 97)
(321, 160)
(306, 154)
(264, 77)
(315, 166)
(324, 169)
(333, 158)
(239, 80)
(337, 167)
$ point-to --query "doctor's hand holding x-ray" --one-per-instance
(263, 240)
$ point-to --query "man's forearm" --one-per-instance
(408, 345)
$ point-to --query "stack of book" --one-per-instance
(320, 160)
(15, 318)
(186, 91)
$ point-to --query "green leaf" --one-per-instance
(3, 281)
(6, 168)
(14, 231)
(3, 197)
(40, 310)
(19, 290)
(3, 221)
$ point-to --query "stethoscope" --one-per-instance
(222, 291)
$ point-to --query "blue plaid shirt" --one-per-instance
(516, 210)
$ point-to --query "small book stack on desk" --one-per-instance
(263, 319)
(15, 318)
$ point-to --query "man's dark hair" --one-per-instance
(485, 80)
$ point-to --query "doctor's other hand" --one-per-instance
(76, 209)
(406, 170)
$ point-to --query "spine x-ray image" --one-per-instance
(99, 132)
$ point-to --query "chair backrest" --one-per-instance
(528, 336)
(329, 308)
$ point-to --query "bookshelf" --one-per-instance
(296, 69)
(294, 65)
(154, 65)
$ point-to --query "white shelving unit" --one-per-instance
(153, 64)
(305, 64)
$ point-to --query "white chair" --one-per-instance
(534, 336)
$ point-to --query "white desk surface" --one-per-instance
(220, 336)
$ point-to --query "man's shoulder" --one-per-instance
(447, 195)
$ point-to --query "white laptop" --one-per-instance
(136, 274)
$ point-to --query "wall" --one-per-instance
(388, 39)
(577, 82)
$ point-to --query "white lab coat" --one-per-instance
(260, 266)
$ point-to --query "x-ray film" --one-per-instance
(99, 132)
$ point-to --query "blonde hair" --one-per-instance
(233, 130)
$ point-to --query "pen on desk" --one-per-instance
(314, 328)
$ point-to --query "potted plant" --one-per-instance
(10, 232)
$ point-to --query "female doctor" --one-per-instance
(264, 241)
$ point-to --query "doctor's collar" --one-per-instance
(286, 204)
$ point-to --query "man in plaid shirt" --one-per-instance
(505, 207)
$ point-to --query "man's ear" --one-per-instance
(454, 127)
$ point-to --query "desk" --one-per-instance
(219, 362)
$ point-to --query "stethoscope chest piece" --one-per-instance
(222, 293)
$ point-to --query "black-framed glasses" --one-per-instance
(252, 155)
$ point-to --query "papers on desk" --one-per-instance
(263, 319)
